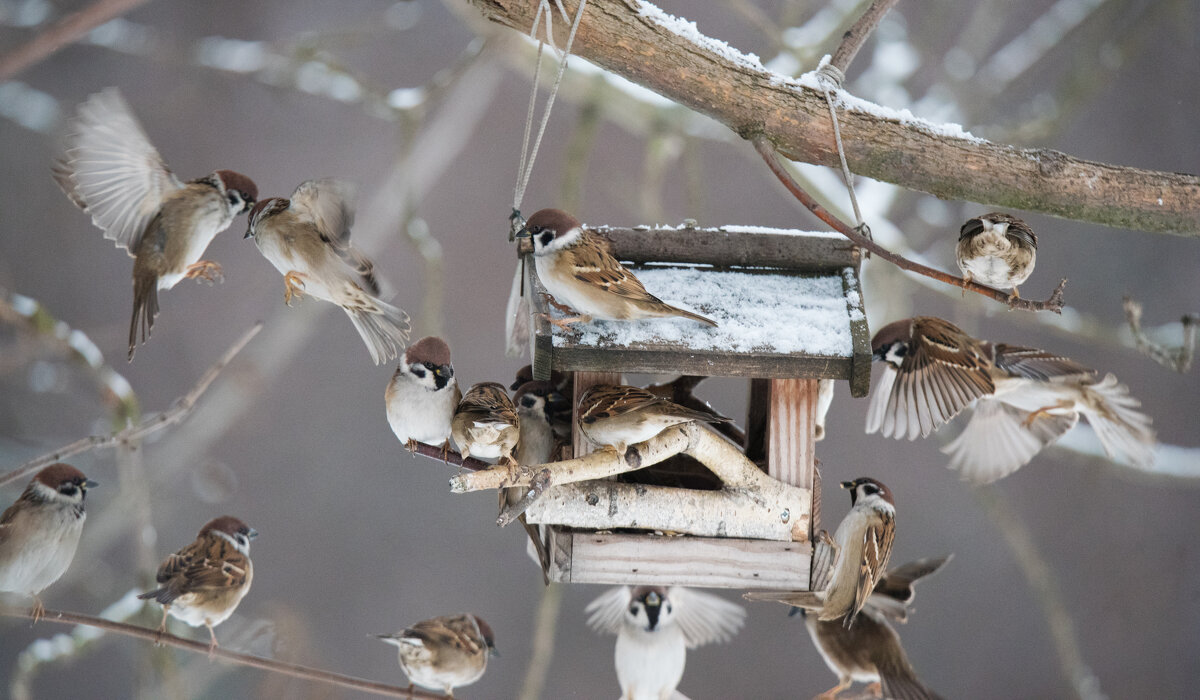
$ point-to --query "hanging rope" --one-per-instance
(830, 75)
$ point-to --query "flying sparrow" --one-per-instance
(446, 652)
(655, 627)
(203, 583)
(618, 416)
(486, 425)
(40, 531)
(113, 172)
(577, 268)
(859, 555)
(996, 249)
(422, 394)
(1024, 399)
(307, 238)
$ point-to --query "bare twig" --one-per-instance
(450, 456)
(545, 626)
(767, 151)
(293, 670)
(178, 411)
(857, 35)
(64, 32)
(1178, 359)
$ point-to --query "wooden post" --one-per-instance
(583, 382)
(791, 431)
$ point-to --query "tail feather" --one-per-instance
(384, 328)
(1124, 431)
(676, 311)
(145, 309)
(162, 595)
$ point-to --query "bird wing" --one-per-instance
(997, 441)
(876, 550)
(596, 266)
(328, 204)
(206, 563)
(1032, 363)
(825, 553)
(112, 171)
(449, 632)
(487, 404)
(606, 611)
(705, 618)
(896, 590)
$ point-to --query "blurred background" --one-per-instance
(423, 104)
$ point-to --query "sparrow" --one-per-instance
(538, 444)
(655, 626)
(486, 425)
(307, 238)
(870, 651)
(996, 249)
(40, 532)
(1023, 398)
(618, 416)
(422, 394)
(112, 171)
(858, 556)
(203, 583)
(446, 652)
(559, 406)
(580, 272)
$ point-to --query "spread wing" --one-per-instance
(112, 171)
(998, 440)
(896, 590)
(705, 618)
(328, 204)
(1032, 363)
(596, 266)
(876, 550)
(606, 611)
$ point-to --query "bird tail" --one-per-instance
(383, 327)
(676, 311)
(1123, 430)
(145, 309)
(162, 595)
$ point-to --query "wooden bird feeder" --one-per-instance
(790, 311)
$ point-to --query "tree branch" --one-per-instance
(449, 456)
(672, 59)
(64, 32)
(857, 35)
(293, 670)
(1178, 359)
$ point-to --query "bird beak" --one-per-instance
(89, 484)
(492, 651)
(249, 233)
(849, 484)
(252, 534)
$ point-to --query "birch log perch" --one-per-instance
(641, 43)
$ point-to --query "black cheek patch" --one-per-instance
(546, 238)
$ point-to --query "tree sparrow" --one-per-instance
(40, 531)
(1024, 398)
(203, 583)
(422, 394)
(307, 238)
(559, 406)
(655, 627)
(858, 556)
(577, 268)
(446, 652)
(996, 249)
(538, 444)
(619, 416)
(113, 172)
(486, 425)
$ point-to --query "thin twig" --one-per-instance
(767, 151)
(857, 35)
(178, 411)
(450, 456)
(64, 32)
(545, 626)
(293, 670)
(1178, 359)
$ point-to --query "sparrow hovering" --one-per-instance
(577, 268)
(486, 425)
(422, 394)
(112, 171)
(996, 249)
(857, 556)
(446, 652)
(40, 532)
(307, 238)
(655, 626)
(1023, 398)
(203, 583)
(619, 416)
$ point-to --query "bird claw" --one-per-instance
(1044, 411)
(38, 611)
(205, 271)
(565, 323)
(293, 286)
(549, 299)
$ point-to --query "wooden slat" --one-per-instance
(791, 426)
(860, 334)
(583, 382)
(756, 421)
(792, 251)
(709, 364)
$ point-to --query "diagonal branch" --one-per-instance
(66, 31)
(857, 35)
(1178, 359)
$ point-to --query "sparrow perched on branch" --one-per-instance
(422, 394)
(486, 425)
(113, 172)
(307, 238)
(559, 404)
(655, 626)
(1023, 398)
(40, 531)
(996, 249)
(853, 562)
(446, 652)
(577, 268)
(203, 583)
(619, 416)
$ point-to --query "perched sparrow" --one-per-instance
(996, 249)
(112, 171)
(536, 403)
(1024, 399)
(485, 424)
(655, 627)
(619, 416)
(307, 238)
(860, 551)
(422, 395)
(40, 531)
(559, 404)
(446, 652)
(870, 651)
(203, 583)
(577, 268)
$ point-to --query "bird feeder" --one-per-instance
(789, 308)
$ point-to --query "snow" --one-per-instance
(688, 30)
(767, 313)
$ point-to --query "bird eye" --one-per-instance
(633, 609)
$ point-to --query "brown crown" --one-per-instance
(430, 349)
(58, 474)
(239, 182)
(226, 523)
(555, 220)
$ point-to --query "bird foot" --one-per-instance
(212, 647)
(411, 446)
(205, 271)
(836, 690)
(38, 611)
(1044, 411)
(293, 286)
(966, 281)
(561, 307)
(1015, 295)
(565, 323)
(446, 451)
